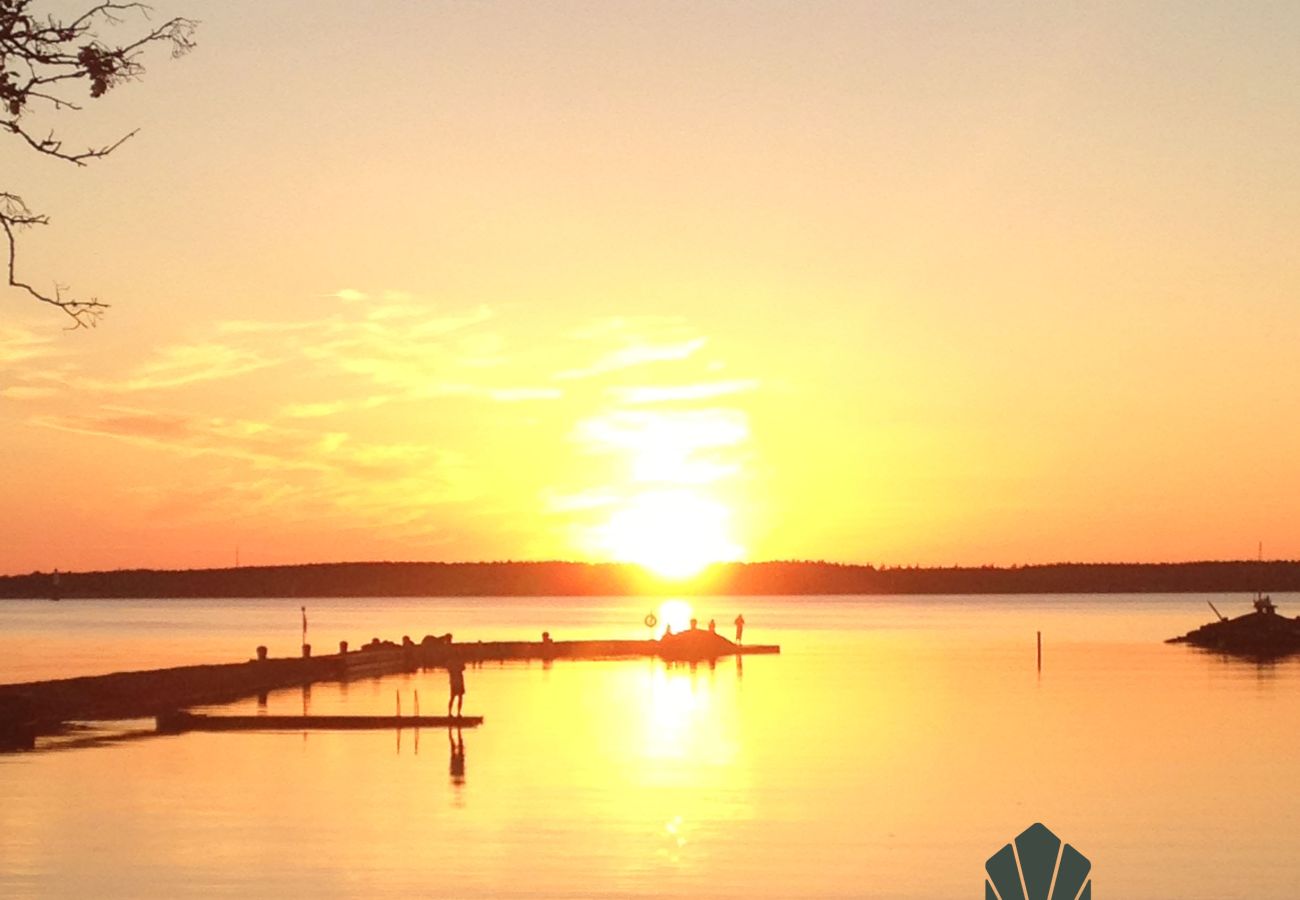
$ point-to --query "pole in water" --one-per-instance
(417, 704)
(398, 694)
(1040, 651)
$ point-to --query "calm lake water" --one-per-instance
(892, 747)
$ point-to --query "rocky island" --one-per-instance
(1261, 634)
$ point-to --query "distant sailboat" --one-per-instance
(1263, 602)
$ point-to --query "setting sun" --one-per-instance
(673, 533)
(675, 614)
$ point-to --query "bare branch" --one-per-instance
(50, 146)
(14, 215)
(41, 58)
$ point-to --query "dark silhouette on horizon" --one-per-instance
(551, 579)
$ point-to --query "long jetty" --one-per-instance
(43, 707)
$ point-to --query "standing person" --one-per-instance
(456, 677)
(740, 627)
(713, 626)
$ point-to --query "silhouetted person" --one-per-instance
(740, 627)
(713, 626)
(668, 631)
(457, 765)
(695, 624)
(456, 677)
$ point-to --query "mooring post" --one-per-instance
(1040, 651)
(417, 704)
(399, 703)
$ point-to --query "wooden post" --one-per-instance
(399, 703)
(1040, 651)
(417, 704)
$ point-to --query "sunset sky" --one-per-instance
(899, 283)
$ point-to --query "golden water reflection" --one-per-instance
(887, 754)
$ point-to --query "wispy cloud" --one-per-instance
(580, 501)
(669, 447)
(682, 392)
(279, 411)
(620, 329)
(183, 364)
(522, 394)
(252, 326)
(28, 392)
(393, 482)
(635, 355)
(18, 345)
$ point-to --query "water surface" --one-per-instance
(893, 746)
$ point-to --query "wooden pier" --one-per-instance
(35, 708)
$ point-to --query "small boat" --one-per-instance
(1261, 634)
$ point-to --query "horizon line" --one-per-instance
(638, 566)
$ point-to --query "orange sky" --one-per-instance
(895, 283)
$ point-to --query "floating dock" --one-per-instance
(178, 722)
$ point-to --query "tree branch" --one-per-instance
(40, 59)
(14, 215)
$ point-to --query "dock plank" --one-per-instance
(178, 722)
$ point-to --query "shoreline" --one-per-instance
(569, 579)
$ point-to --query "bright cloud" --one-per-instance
(386, 409)
(674, 393)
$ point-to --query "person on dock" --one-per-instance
(456, 678)
(740, 627)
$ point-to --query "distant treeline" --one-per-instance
(543, 579)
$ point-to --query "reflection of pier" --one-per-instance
(28, 710)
